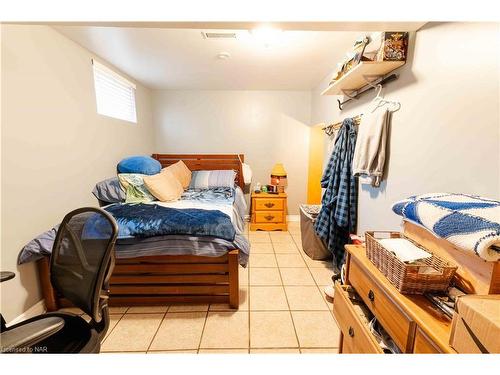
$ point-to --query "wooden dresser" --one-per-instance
(414, 324)
(269, 211)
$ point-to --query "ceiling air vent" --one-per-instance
(218, 35)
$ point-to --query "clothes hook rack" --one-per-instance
(332, 127)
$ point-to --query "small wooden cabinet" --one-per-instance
(269, 211)
(415, 325)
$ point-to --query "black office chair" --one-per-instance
(80, 267)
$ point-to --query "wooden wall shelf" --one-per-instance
(355, 78)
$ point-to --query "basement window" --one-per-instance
(115, 95)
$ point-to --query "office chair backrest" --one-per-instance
(83, 258)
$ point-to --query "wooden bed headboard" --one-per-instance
(207, 162)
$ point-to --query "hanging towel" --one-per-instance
(369, 154)
(338, 214)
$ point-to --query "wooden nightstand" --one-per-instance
(269, 211)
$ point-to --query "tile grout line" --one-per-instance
(112, 329)
(316, 284)
(203, 330)
(248, 296)
(315, 281)
(249, 301)
(249, 306)
(286, 296)
(157, 329)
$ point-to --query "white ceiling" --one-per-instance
(182, 59)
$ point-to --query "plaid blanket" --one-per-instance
(338, 214)
(469, 222)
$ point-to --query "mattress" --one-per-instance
(182, 245)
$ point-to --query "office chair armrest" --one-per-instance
(20, 338)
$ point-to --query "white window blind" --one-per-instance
(115, 95)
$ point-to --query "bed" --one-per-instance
(168, 279)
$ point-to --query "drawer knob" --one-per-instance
(269, 205)
(351, 332)
(371, 295)
(269, 217)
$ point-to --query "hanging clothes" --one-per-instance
(369, 154)
(338, 215)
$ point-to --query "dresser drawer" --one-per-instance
(353, 324)
(263, 204)
(399, 326)
(424, 345)
(269, 216)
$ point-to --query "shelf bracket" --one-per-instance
(372, 79)
(349, 93)
(370, 82)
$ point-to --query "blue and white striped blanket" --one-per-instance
(469, 222)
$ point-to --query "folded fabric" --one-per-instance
(181, 172)
(139, 164)
(212, 179)
(383, 338)
(403, 249)
(164, 186)
(38, 247)
(369, 154)
(109, 191)
(469, 222)
(135, 190)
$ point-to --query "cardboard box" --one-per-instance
(476, 324)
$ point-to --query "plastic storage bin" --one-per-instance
(312, 245)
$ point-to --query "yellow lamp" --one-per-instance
(278, 177)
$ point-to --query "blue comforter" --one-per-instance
(469, 222)
(148, 220)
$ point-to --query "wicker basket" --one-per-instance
(408, 278)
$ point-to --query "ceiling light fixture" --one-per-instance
(267, 35)
(223, 55)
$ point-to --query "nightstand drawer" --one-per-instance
(268, 204)
(353, 322)
(399, 326)
(269, 216)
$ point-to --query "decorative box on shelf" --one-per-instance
(394, 46)
(269, 211)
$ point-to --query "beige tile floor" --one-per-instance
(282, 310)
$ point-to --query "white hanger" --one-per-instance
(380, 101)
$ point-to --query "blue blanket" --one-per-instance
(469, 222)
(148, 220)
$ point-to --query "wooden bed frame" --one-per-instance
(166, 279)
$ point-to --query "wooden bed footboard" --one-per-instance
(166, 279)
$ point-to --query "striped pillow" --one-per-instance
(212, 179)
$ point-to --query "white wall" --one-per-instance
(55, 146)
(266, 126)
(446, 137)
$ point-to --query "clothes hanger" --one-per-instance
(380, 101)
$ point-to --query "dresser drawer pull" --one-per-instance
(269, 217)
(351, 331)
(371, 295)
(269, 205)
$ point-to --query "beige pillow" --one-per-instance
(164, 186)
(181, 171)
